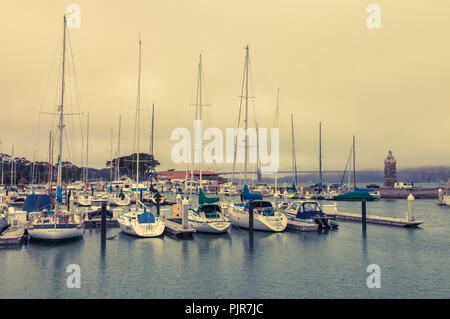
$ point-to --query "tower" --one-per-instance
(390, 170)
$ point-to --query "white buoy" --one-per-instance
(440, 196)
(301, 192)
(411, 216)
(184, 213)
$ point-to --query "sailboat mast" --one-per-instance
(246, 115)
(32, 168)
(276, 125)
(12, 166)
(151, 146)
(86, 171)
(320, 154)
(200, 105)
(50, 161)
(61, 111)
(294, 161)
(138, 106)
(354, 166)
(111, 156)
(118, 151)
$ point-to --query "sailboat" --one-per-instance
(292, 191)
(138, 221)
(265, 217)
(153, 195)
(116, 196)
(318, 192)
(59, 223)
(357, 194)
(208, 217)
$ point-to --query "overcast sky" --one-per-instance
(389, 86)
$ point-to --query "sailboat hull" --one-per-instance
(56, 232)
(203, 225)
(263, 223)
(141, 230)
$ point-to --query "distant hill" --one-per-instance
(426, 174)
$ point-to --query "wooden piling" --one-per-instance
(103, 224)
(250, 216)
(364, 217)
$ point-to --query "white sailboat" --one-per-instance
(264, 216)
(208, 216)
(138, 221)
(59, 223)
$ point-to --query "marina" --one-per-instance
(199, 154)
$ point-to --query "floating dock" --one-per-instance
(373, 219)
(175, 228)
(13, 236)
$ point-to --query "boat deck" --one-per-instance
(13, 236)
(373, 219)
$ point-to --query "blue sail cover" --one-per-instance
(59, 195)
(36, 203)
(246, 195)
(146, 218)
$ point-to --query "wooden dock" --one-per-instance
(373, 219)
(13, 236)
(296, 225)
(174, 227)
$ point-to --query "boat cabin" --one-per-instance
(304, 209)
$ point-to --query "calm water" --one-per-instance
(414, 263)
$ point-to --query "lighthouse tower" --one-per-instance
(390, 170)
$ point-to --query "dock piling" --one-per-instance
(250, 216)
(103, 224)
(364, 217)
(184, 212)
(157, 197)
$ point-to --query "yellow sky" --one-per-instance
(389, 86)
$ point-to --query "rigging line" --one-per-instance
(44, 94)
(68, 149)
(69, 129)
(79, 106)
(239, 120)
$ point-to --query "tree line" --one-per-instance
(25, 171)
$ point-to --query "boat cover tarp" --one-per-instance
(246, 195)
(36, 203)
(292, 189)
(355, 195)
(202, 199)
(146, 218)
